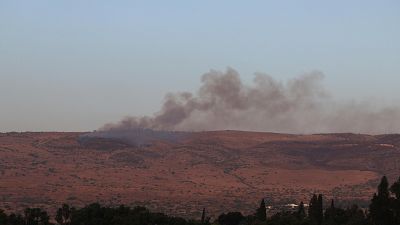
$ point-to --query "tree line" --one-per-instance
(384, 209)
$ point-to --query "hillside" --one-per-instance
(219, 170)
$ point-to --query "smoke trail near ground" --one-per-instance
(300, 105)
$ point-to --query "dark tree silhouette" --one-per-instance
(261, 213)
(301, 213)
(63, 215)
(203, 216)
(330, 212)
(35, 216)
(3, 217)
(380, 210)
(355, 216)
(313, 209)
(319, 210)
(395, 189)
(231, 218)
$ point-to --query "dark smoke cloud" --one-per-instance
(300, 105)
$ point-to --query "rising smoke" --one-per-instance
(300, 105)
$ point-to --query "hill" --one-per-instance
(219, 170)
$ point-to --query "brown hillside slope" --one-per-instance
(219, 170)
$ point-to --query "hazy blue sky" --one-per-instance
(74, 65)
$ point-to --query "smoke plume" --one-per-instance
(300, 105)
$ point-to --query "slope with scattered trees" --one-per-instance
(384, 209)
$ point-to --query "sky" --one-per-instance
(75, 65)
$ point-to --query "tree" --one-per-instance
(330, 212)
(380, 207)
(63, 215)
(285, 218)
(36, 216)
(203, 215)
(231, 218)
(334, 215)
(312, 204)
(261, 213)
(3, 217)
(355, 216)
(14, 219)
(315, 210)
(395, 189)
(301, 213)
(312, 208)
(319, 211)
(383, 188)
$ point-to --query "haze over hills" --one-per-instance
(300, 105)
(219, 170)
